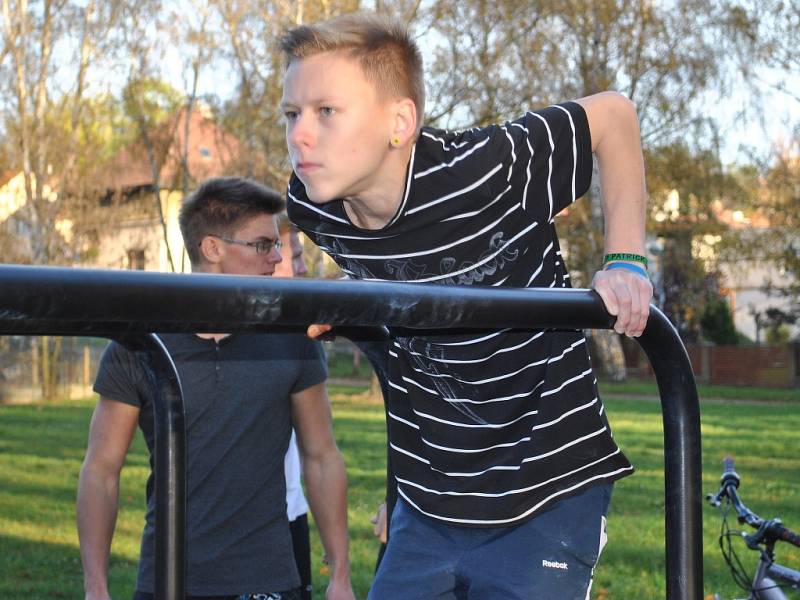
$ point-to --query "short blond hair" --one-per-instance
(389, 57)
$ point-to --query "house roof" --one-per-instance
(210, 149)
(737, 219)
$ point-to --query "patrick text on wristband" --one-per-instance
(625, 256)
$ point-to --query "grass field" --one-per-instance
(648, 387)
(41, 448)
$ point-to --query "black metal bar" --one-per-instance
(136, 301)
(682, 456)
(170, 463)
(39, 300)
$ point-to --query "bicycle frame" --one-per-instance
(768, 574)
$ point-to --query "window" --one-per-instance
(136, 260)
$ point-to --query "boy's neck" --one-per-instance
(376, 206)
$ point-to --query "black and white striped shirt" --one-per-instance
(484, 430)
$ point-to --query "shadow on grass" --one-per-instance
(36, 569)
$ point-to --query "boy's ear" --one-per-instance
(404, 123)
(211, 249)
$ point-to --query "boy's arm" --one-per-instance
(616, 142)
(110, 435)
(326, 482)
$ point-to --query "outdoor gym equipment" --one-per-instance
(130, 306)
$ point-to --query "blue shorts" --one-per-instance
(549, 557)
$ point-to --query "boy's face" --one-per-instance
(237, 258)
(338, 130)
(293, 263)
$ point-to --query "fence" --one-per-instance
(761, 366)
(130, 305)
(73, 366)
(47, 368)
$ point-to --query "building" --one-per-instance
(137, 239)
(746, 280)
(123, 229)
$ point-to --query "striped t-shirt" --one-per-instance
(484, 429)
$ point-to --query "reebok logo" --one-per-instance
(552, 564)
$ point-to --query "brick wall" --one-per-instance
(762, 366)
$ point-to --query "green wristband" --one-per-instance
(625, 256)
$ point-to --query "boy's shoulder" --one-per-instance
(540, 126)
(447, 140)
(444, 147)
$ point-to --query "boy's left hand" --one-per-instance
(339, 591)
(627, 296)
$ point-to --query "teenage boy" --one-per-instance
(243, 394)
(501, 450)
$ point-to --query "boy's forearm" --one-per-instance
(98, 497)
(622, 186)
(326, 483)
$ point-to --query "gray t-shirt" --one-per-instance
(238, 424)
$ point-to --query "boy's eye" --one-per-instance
(290, 115)
(327, 111)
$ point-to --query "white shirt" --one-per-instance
(296, 504)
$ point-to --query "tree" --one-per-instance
(764, 33)
(666, 58)
(781, 202)
(147, 98)
(33, 73)
(770, 31)
(717, 323)
(684, 184)
(44, 45)
(777, 323)
(153, 106)
(775, 200)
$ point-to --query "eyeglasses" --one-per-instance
(261, 246)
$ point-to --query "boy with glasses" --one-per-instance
(243, 394)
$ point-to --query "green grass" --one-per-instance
(41, 448)
(648, 387)
(764, 443)
(340, 365)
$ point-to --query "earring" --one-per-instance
(395, 141)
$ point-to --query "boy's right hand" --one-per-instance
(317, 330)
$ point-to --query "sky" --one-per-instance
(770, 120)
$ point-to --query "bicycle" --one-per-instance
(770, 577)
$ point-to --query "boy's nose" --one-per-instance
(301, 133)
(300, 268)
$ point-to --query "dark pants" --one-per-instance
(302, 554)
